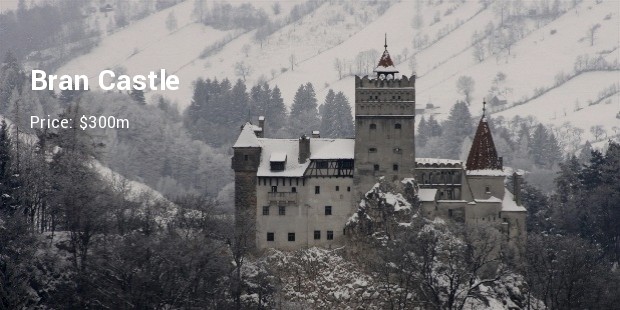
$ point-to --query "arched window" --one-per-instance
(395, 167)
(376, 167)
(373, 126)
(397, 126)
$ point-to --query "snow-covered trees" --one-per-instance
(465, 86)
(304, 111)
(337, 121)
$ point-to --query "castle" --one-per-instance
(293, 193)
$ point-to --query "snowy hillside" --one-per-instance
(306, 50)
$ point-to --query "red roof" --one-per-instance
(483, 154)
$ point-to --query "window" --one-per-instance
(291, 237)
(395, 167)
(274, 189)
(372, 150)
(293, 189)
(393, 97)
(450, 212)
(282, 210)
(376, 167)
(348, 188)
(277, 165)
(487, 189)
(330, 235)
(322, 164)
(373, 126)
(317, 190)
(246, 157)
(376, 97)
(337, 188)
(266, 210)
(317, 235)
(328, 210)
(270, 236)
(397, 126)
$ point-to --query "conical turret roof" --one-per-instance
(483, 155)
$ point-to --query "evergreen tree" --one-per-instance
(458, 126)
(277, 111)
(423, 133)
(344, 116)
(328, 112)
(138, 96)
(304, 114)
(434, 129)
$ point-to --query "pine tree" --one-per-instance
(277, 112)
(423, 133)
(7, 180)
(304, 116)
(458, 126)
(344, 116)
(329, 115)
(138, 96)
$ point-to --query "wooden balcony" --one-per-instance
(282, 197)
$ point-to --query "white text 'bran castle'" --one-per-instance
(294, 193)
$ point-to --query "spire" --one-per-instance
(386, 65)
(385, 41)
(483, 154)
(484, 107)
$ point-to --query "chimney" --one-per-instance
(261, 124)
(316, 134)
(304, 149)
(516, 190)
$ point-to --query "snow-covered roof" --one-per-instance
(277, 157)
(332, 148)
(320, 148)
(427, 194)
(261, 118)
(491, 199)
(509, 205)
(487, 172)
(388, 69)
(386, 65)
(247, 137)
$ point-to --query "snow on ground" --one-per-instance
(340, 30)
(558, 106)
(147, 45)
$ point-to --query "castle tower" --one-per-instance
(484, 167)
(245, 162)
(384, 125)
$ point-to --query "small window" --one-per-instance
(330, 235)
(393, 97)
(337, 188)
(348, 188)
(370, 97)
(246, 157)
(397, 126)
(282, 210)
(317, 190)
(317, 235)
(270, 236)
(395, 167)
(266, 210)
(398, 97)
(328, 210)
(293, 189)
(376, 167)
(372, 150)
(291, 237)
(274, 189)
(373, 126)
(487, 189)
(450, 212)
(377, 97)
(322, 164)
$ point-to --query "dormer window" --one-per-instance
(277, 161)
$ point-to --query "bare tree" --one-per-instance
(339, 66)
(245, 49)
(597, 131)
(242, 69)
(465, 85)
(592, 33)
(292, 59)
